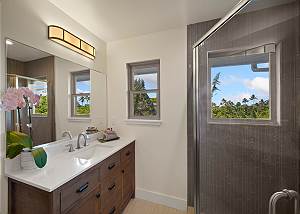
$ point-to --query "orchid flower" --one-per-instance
(18, 98)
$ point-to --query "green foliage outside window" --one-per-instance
(248, 108)
(143, 104)
(42, 108)
(83, 107)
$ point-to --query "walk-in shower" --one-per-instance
(244, 118)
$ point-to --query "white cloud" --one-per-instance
(82, 91)
(259, 84)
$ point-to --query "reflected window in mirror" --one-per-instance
(39, 86)
(80, 93)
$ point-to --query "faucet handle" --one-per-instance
(71, 149)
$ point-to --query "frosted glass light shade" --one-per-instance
(69, 40)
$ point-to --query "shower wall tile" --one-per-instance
(241, 166)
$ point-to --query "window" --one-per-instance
(144, 90)
(39, 86)
(240, 84)
(80, 93)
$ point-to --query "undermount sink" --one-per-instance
(90, 152)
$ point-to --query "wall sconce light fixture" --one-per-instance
(69, 40)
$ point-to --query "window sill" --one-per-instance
(143, 122)
(79, 119)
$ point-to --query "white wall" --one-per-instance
(63, 69)
(3, 180)
(26, 21)
(161, 151)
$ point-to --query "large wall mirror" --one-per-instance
(71, 97)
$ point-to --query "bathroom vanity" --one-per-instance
(99, 178)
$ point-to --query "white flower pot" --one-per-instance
(27, 161)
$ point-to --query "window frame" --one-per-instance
(73, 94)
(274, 87)
(131, 92)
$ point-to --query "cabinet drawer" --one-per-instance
(110, 166)
(127, 153)
(78, 188)
(111, 189)
(113, 209)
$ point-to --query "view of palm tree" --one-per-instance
(252, 103)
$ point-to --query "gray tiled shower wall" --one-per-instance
(241, 166)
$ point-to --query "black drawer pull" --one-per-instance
(110, 167)
(82, 188)
(112, 211)
(128, 153)
(112, 187)
(98, 195)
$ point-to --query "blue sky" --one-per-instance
(238, 82)
(83, 87)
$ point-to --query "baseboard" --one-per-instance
(159, 198)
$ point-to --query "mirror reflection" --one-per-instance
(75, 108)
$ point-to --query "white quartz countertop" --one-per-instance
(62, 166)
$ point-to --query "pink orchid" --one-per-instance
(35, 99)
(25, 92)
(18, 98)
(9, 100)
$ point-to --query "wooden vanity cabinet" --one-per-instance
(90, 204)
(128, 174)
(104, 189)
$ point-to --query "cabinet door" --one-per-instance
(128, 182)
(88, 205)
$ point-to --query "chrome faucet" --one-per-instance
(67, 134)
(78, 140)
(71, 148)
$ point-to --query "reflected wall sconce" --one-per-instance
(69, 40)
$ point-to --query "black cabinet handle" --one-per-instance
(110, 167)
(112, 187)
(123, 171)
(128, 153)
(112, 211)
(82, 188)
(98, 195)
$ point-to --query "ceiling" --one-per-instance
(24, 53)
(118, 19)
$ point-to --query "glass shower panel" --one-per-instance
(248, 114)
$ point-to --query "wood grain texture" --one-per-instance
(241, 166)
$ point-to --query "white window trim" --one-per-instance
(79, 119)
(143, 122)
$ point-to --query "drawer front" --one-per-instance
(113, 209)
(78, 188)
(110, 166)
(111, 192)
(128, 153)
